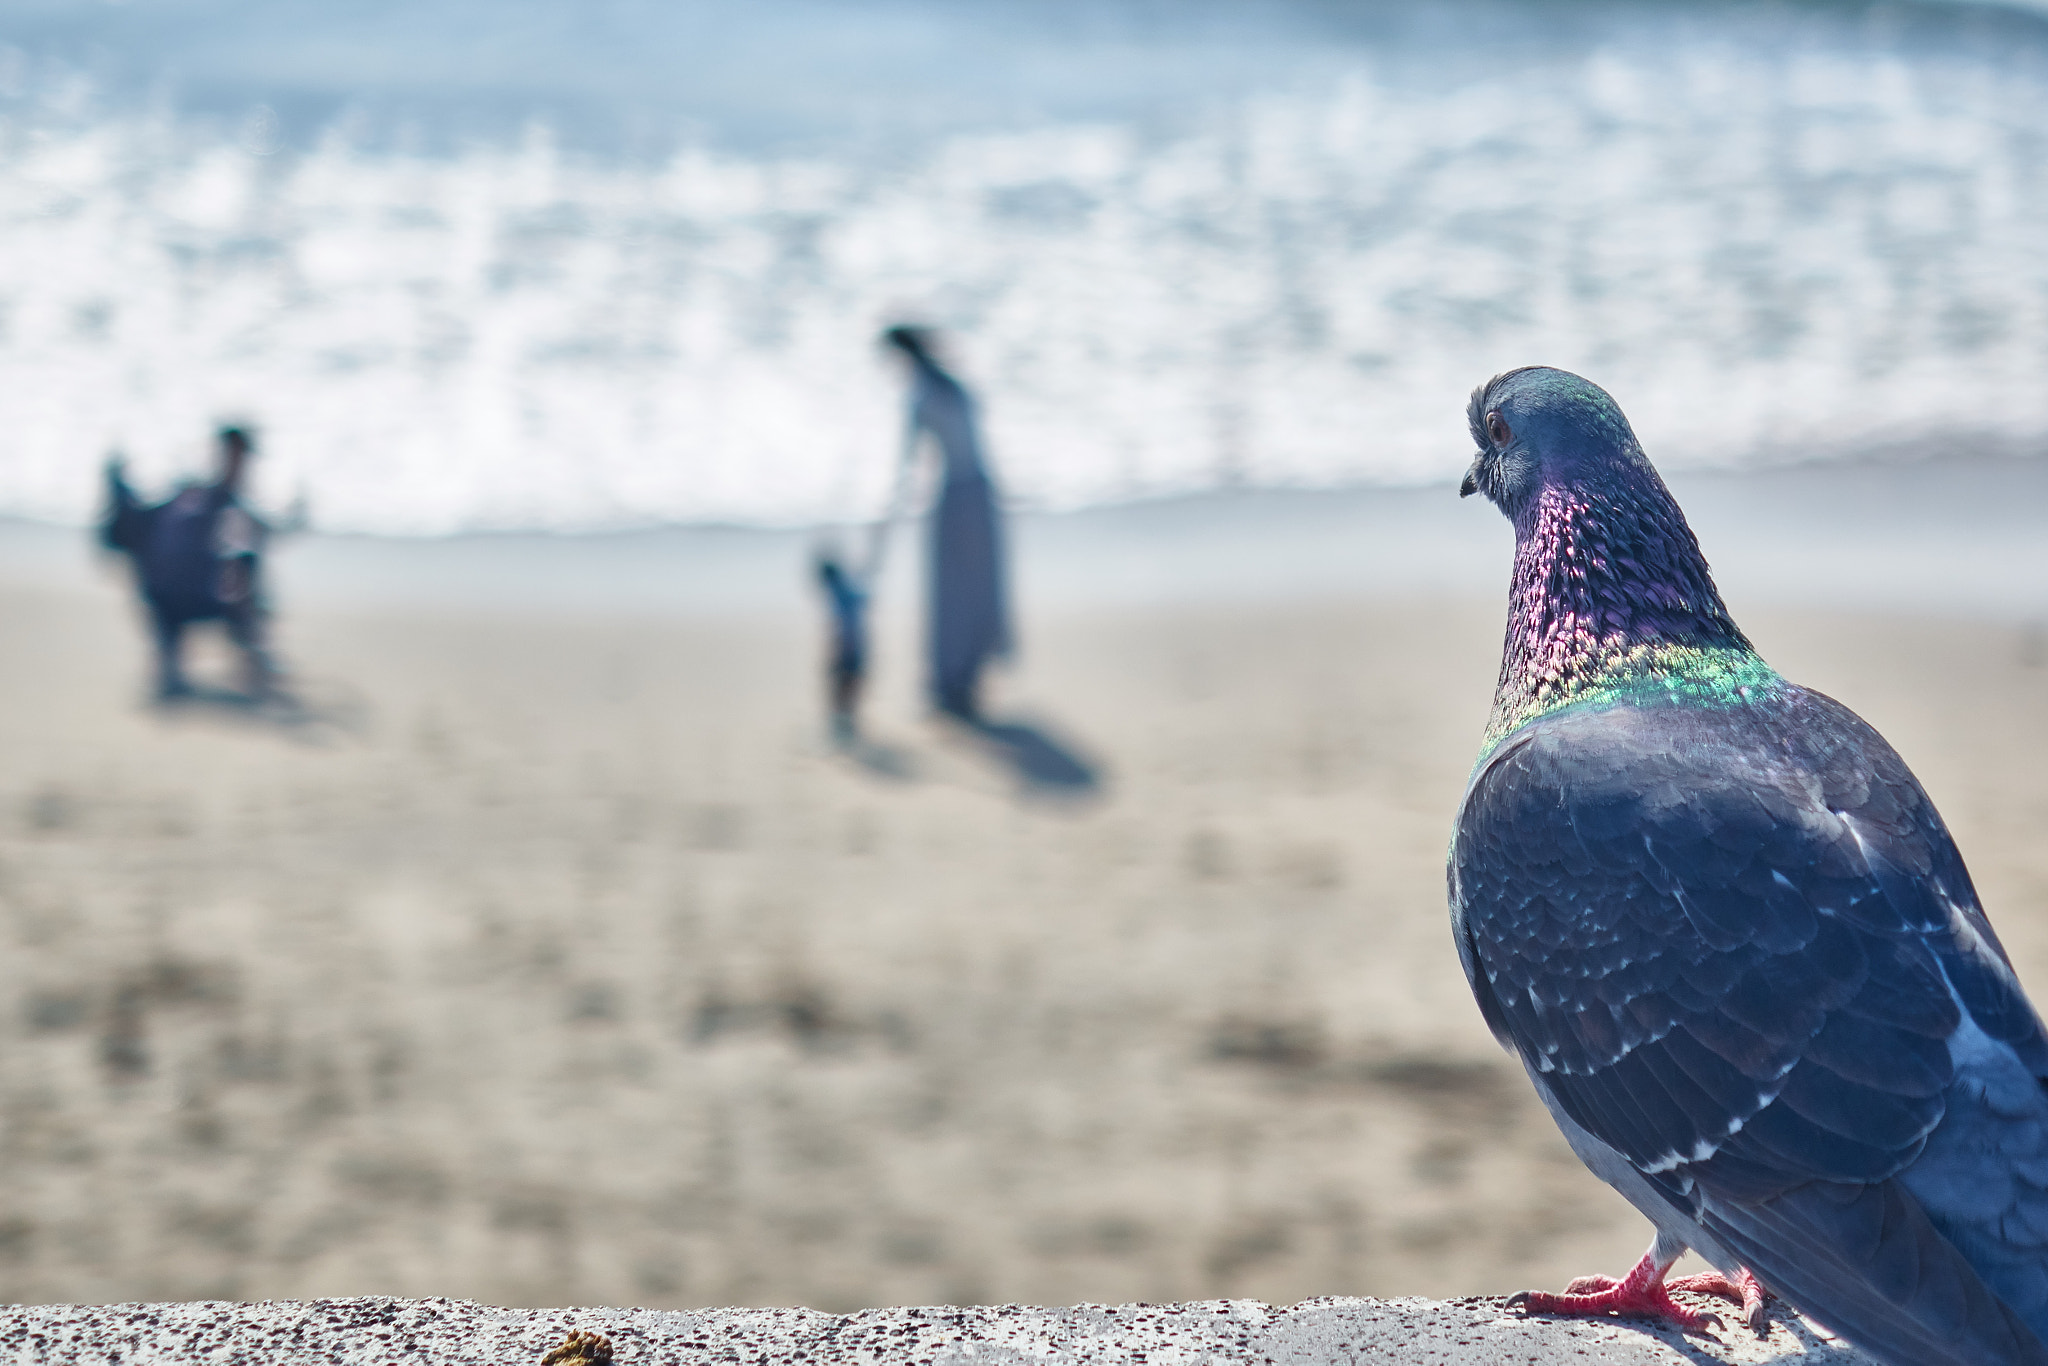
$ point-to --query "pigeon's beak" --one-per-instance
(1471, 484)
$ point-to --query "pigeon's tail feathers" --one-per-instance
(1868, 1264)
(1983, 1176)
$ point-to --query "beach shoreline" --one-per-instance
(555, 956)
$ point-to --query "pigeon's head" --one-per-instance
(1537, 428)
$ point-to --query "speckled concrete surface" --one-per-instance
(373, 1330)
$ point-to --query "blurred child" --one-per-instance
(847, 663)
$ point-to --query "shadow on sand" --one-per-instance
(291, 714)
(1043, 764)
(879, 760)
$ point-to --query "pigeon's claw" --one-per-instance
(1649, 1302)
(1640, 1294)
(1744, 1290)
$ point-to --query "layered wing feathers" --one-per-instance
(1681, 920)
(1738, 946)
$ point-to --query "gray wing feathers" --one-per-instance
(1983, 1176)
(1740, 951)
(1888, 1278)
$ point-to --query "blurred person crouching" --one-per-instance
(198, 557)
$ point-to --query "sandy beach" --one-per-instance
(555, 958)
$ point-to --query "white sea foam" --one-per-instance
(1765, 252)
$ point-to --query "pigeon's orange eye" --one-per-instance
(1498, 429)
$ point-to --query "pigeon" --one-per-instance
(1730, 939)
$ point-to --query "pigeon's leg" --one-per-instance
(1744, 1290)
(1640, 1294)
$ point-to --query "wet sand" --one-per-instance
(565, 962)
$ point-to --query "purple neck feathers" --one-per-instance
(1598, 573)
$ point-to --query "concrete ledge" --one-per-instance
(428, 1332)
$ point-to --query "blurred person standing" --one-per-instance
(969, 620)
(197, 557)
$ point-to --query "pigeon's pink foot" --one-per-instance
(1589, 1285)
(1744, 1290)
(1640, 1294)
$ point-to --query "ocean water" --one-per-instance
(528, 266)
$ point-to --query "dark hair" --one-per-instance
(914, 342)
(236, 436)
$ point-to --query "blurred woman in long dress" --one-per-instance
(969, 621)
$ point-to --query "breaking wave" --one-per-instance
(1775, 235)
